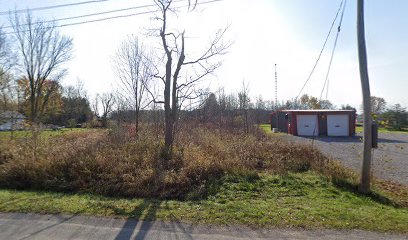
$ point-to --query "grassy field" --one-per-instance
(305, 200)
(383, 130)
(44, 133)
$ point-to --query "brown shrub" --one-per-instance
(118, 164)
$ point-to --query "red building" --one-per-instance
(319, 122)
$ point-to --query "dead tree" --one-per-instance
(178, 63)
(42, 52)
(106, 101)
(133, 68)
(244, 105)
(7, 55)
(121, 107)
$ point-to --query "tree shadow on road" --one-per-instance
(61, 221)
(144, 214)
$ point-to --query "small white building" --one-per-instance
(12, 120)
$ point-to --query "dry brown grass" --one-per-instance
(115, 163)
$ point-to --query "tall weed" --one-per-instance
(118, 163)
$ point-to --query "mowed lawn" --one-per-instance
(302, 200)
(384, 130)
(267, 129)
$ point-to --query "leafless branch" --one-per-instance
(217, 47)
(42, 52)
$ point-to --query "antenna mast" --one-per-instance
(276, 89)
(276, 99)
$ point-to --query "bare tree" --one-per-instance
(7, 57)
(7, 83)
(222, 103)
(134, 69)
(3, 49)
(6, 91)
(75, 104)
(244, 104)
(106, 101)
(42, 52)
(177, 89)
(260, 109)
(121, 106)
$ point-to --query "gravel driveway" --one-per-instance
(390, 160)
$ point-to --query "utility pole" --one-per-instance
(365, 86)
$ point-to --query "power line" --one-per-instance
(321, 51)
(52, 7)
(105, 19)
(93, 14)
(330, 63)
(90, 15)
(119, 16)
(326, 81)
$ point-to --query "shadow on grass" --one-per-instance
(213, 186)
(353, 187)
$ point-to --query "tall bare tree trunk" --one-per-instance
(168, 121)
(174, 90)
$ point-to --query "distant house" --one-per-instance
(321, 122)
(12, 120)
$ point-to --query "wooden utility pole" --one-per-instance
(365, 86)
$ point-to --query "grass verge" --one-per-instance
(304, 200)
(383, 130)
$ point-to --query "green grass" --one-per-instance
(267, 129)
(305, 200)
(383, 130)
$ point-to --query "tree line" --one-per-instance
(389, 116)
(154, 78)
(161, 84)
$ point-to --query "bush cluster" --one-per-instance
(117, 163)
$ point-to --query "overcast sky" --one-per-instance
(289, 33)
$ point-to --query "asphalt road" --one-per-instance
(390, 160)
(44, 227)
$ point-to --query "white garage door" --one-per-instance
(307, 125)
(338, 125)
